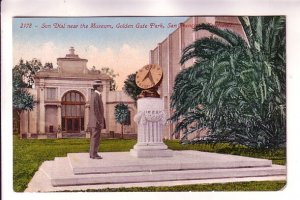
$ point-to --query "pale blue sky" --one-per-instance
(104, 37)
(122, 49)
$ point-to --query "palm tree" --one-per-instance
(236, 87)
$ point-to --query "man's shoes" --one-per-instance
(96, 157)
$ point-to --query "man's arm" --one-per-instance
(97, 108)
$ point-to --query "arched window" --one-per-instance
(72, 112)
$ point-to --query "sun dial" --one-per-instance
(148, 78)
(150, 117)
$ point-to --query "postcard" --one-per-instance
(148, 103)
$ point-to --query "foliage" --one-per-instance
(111, 73)
(24, 72)
(22, 100)
(130, 87)
(28, 155)
(121, 114)
(23, 78)
(236, 87)
(47, 66)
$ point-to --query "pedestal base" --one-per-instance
(151, 150)
(150, 120)
(151, 154)
(119, 169)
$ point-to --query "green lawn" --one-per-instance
(278, 156)
(30, 154)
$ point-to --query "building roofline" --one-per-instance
(73, 77)
(57, 75)
(72, 59)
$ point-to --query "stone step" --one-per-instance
(61, 174)
(119, 162)
(41, 182)
(73, 135)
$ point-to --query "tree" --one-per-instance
(112, 74)
(24, 72)
(236, 87)
(47, 66)
(23, 78)
(130, 87)
(109, 72)
(121, 115)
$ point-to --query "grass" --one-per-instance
(278, 156)
(30, 154)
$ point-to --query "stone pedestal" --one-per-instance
(150, 120)
(120, 169)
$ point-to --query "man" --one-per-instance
(96, 119)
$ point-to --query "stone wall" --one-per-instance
(51, 119)
(115, 97)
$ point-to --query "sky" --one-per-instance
(122, 43)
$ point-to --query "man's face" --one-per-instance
(100, 88)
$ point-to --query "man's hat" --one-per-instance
(97, 83)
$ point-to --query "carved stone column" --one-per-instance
(59, 133)
(86, 120)
(42, 115)
(150, 120)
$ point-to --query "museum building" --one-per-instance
(61, 98)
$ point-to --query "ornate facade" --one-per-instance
(62, 101)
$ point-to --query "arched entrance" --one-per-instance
(72, 112)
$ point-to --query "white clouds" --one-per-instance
(46, 52)
(124, 61)
(97, 57)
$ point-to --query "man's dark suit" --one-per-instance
(96, 122)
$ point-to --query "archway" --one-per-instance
(72, 112)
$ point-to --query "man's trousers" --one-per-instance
(94, 141)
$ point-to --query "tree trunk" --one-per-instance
(122, 130)
(18, 118)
